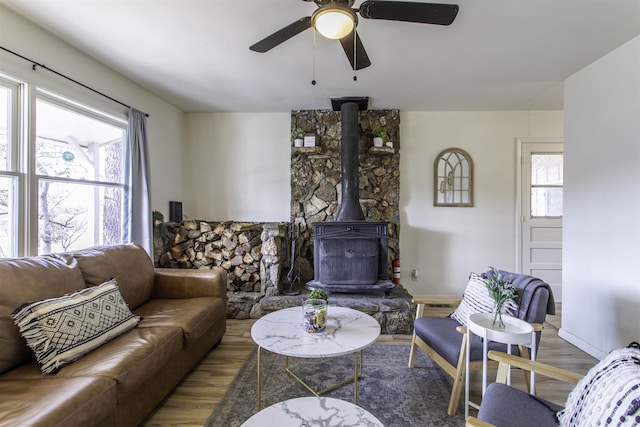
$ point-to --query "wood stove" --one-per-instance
(350, 254)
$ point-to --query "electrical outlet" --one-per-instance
(414, 275)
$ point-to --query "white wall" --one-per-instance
(445, 244)
(165, 126)
(601, 289)
(237, 167)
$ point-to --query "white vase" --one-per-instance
(496, 318)
(377, 142)
(297, 142)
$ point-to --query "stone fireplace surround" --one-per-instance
(257, 256)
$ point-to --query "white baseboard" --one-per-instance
(581, 344)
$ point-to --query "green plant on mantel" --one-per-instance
(297, 134)
(379, 132)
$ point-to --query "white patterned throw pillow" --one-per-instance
(609, 394)
(476, 299)
(61, 330)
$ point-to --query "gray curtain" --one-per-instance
(138, 224)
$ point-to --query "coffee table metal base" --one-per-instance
(357, 373)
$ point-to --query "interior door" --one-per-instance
(541, 199)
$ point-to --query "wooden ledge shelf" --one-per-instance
(381, 150)
(306, 150)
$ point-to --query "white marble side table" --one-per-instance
(516, 331)
(348, 331)
(312, 412)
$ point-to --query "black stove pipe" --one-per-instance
(350, 209)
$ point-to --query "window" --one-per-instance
(546, 185)
(79, 166)
(72, 172)
(8, 168)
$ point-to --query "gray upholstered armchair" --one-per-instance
(608, 394)
(500, 400)
(443, 339)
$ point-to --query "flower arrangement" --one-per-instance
(501, 291)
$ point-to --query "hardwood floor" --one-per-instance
(193, 400)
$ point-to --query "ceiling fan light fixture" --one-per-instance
(334, 21)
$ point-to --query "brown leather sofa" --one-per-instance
(119, 383)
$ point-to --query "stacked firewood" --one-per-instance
(234, 246)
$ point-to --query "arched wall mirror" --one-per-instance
(453, 178)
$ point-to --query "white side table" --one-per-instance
(516, 331)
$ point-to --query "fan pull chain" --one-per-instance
(355, 54)
(313, 73)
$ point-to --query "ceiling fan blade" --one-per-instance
(424, 13)
(282, 35)
(362, 59)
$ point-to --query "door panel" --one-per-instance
(540, 231)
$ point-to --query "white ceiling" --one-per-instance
(497, 55)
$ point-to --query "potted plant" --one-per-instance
(158, 217)
(319, 294)
(297, 135)
(379, 135)
(314, 311)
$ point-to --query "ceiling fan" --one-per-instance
(336, 19)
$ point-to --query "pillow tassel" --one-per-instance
(37, 340)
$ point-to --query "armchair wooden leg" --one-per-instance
(412, 353)
(524, 352)
(458, 378)
(456, 391)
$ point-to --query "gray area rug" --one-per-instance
(388, 389)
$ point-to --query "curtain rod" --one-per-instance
(35, 64)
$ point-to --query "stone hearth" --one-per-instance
(395, 313)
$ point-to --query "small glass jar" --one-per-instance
(314, 313)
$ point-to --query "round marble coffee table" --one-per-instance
(348, 331)
(313, 411)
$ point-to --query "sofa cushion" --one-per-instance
(61, 402)
(505, 406)
(476, 299)
(129, 264)
(61, 330)
(608, 394)
(130, 359)
(30, 279)
(193, 315)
